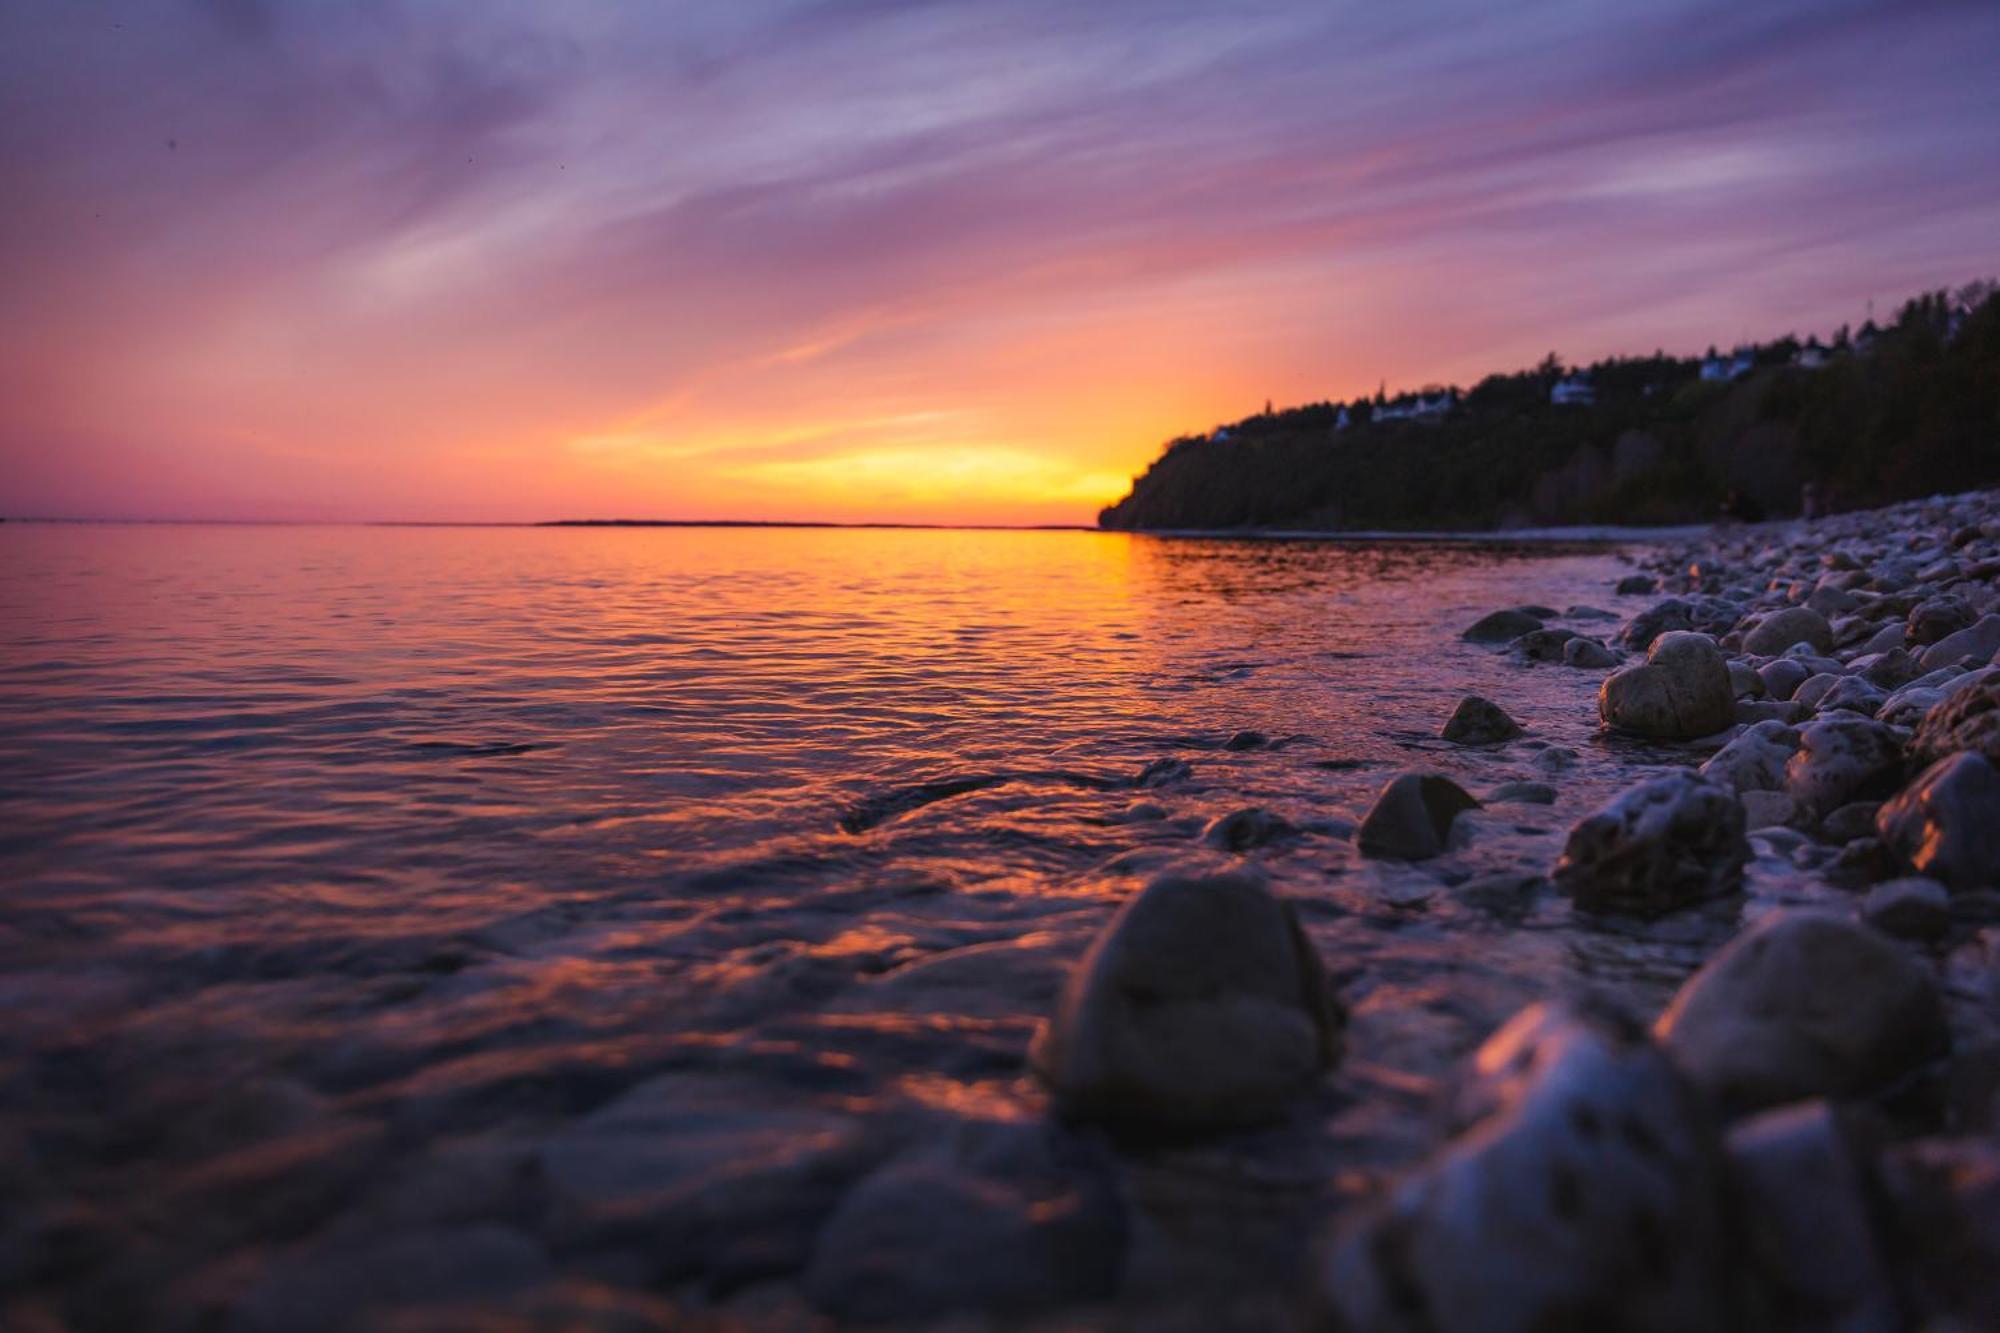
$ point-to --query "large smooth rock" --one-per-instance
(1755, 760)
(1667, 843)
(1946, 824)
(1583, 1190)
(1804, 1004)
(1965, 718)
(1478, 721)
(1201, 1004)
(1781, 629)
(1412, 816)
(1679, 692)
(1501, 627)
(1802, 1191)
(1843, 759)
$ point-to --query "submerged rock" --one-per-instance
(1679, 692)
(1501, 627)
(1781, 629)
(1667, 843)
(1411, 818)
(1478, 721)
(1946, 824)
(1583, 1190)
(1803, 1004)
(1201, 1004)
(1523, 793)
(1241, 830)
(1543, 645)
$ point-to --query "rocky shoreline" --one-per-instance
(1805, 1138)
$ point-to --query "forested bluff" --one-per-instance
(1865, 418)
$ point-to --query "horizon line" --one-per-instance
(70, 520)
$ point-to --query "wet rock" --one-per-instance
(1501, 627)
(1803, 1004)
(1411, 818)
(1589, 613)
(1637, 585)
(1555, 759)
(1543, 645)
(1666, 617)
(1588, 655)
(931, 1235)
(1854, 820)
(1946, 824)
(1667, 843)
(1201, 1004)
(1911, 909)
(1478, 721)
(1583, 1191)
(1679, 692)
(1245, 829)
(1783, 677)
(1523, 793)
(1163, 771)
(1755, 760)
(1937, 618)
(1781, 629)
(1247, 740)
(1965, 718)
(1802, 1190)
(1843, 759)
(1979, 640)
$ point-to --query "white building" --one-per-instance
(1575, 391)
(1810, 357)
(1417, 407)
(1735, 368)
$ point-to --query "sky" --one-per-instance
(906, 260)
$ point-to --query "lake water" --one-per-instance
(584, 911)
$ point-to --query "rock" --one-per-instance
(1637, 585)
(1755, 760)
(1852, 694)
(1679, 692)
(1583, 1190)
(1816, 688)
(1744, 680)
(1944, 1216)
(1478, 721)
(1783, 677)
(927, 1237)
(1911, 909)
(1667, 843)
(1412, 816)
(1749, 712)
(341, 1285)
(1242, 830)
(1890, 669)
(1937, 618)
(1946, 824)
(1589, 613)
(1842, 759)
(1854, 820)
(1555, 759)
(1543, 645)
(1965, 718)
(1201, 1004)
(1661, 618)
(1501, 627)
(1588, 655)
(1803, 1195)
(1768, 809)
(1247, 740)
(1163, 771)
(1979, 640)
(1888, 639)
(1803, 1004)
(1524, 793)
(1830, 599)
(1781, 629)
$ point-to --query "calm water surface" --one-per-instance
(540, 892)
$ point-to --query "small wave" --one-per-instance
(875, 810)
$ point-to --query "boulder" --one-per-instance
(1679, 692)
(1583, 1190)
(1964, 718)
(1412, 816)
(1201, 1004)
(1946, 824)
(1911, 909)
(1802, 1192)
(1501, 627)
(1478, 721)
(1667, 843)
(1803, 1004)
(1781, 629)
(1843, 759)
(1755, 760)
(1588, 655)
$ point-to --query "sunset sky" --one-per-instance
(896, 259)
